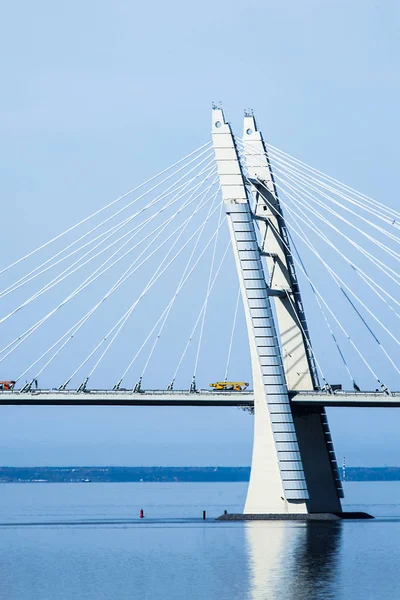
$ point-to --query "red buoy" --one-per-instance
(141, 514)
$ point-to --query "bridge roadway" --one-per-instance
(184, 398)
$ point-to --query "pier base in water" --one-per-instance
(296, 517)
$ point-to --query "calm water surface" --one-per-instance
(84, 541)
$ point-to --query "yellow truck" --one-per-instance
(229, 386)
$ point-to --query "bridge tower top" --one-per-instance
(226, 156)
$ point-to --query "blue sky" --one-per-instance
(98, 96)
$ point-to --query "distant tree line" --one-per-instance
(163, 474)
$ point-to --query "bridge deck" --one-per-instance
(348, 399)
(125, 398)
(185, 398)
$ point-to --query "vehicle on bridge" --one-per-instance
(7, 385)
(235, 386)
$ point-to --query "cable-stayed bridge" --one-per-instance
(169, 288)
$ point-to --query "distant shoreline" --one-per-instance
(164, 474)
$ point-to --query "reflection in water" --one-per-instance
(293, 560)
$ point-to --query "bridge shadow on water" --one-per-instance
(293, 561)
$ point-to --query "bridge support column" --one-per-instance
(277, 481)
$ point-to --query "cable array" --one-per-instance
(84, 307)
(145, 287)
(351, 244)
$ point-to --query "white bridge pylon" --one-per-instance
(293, 465)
